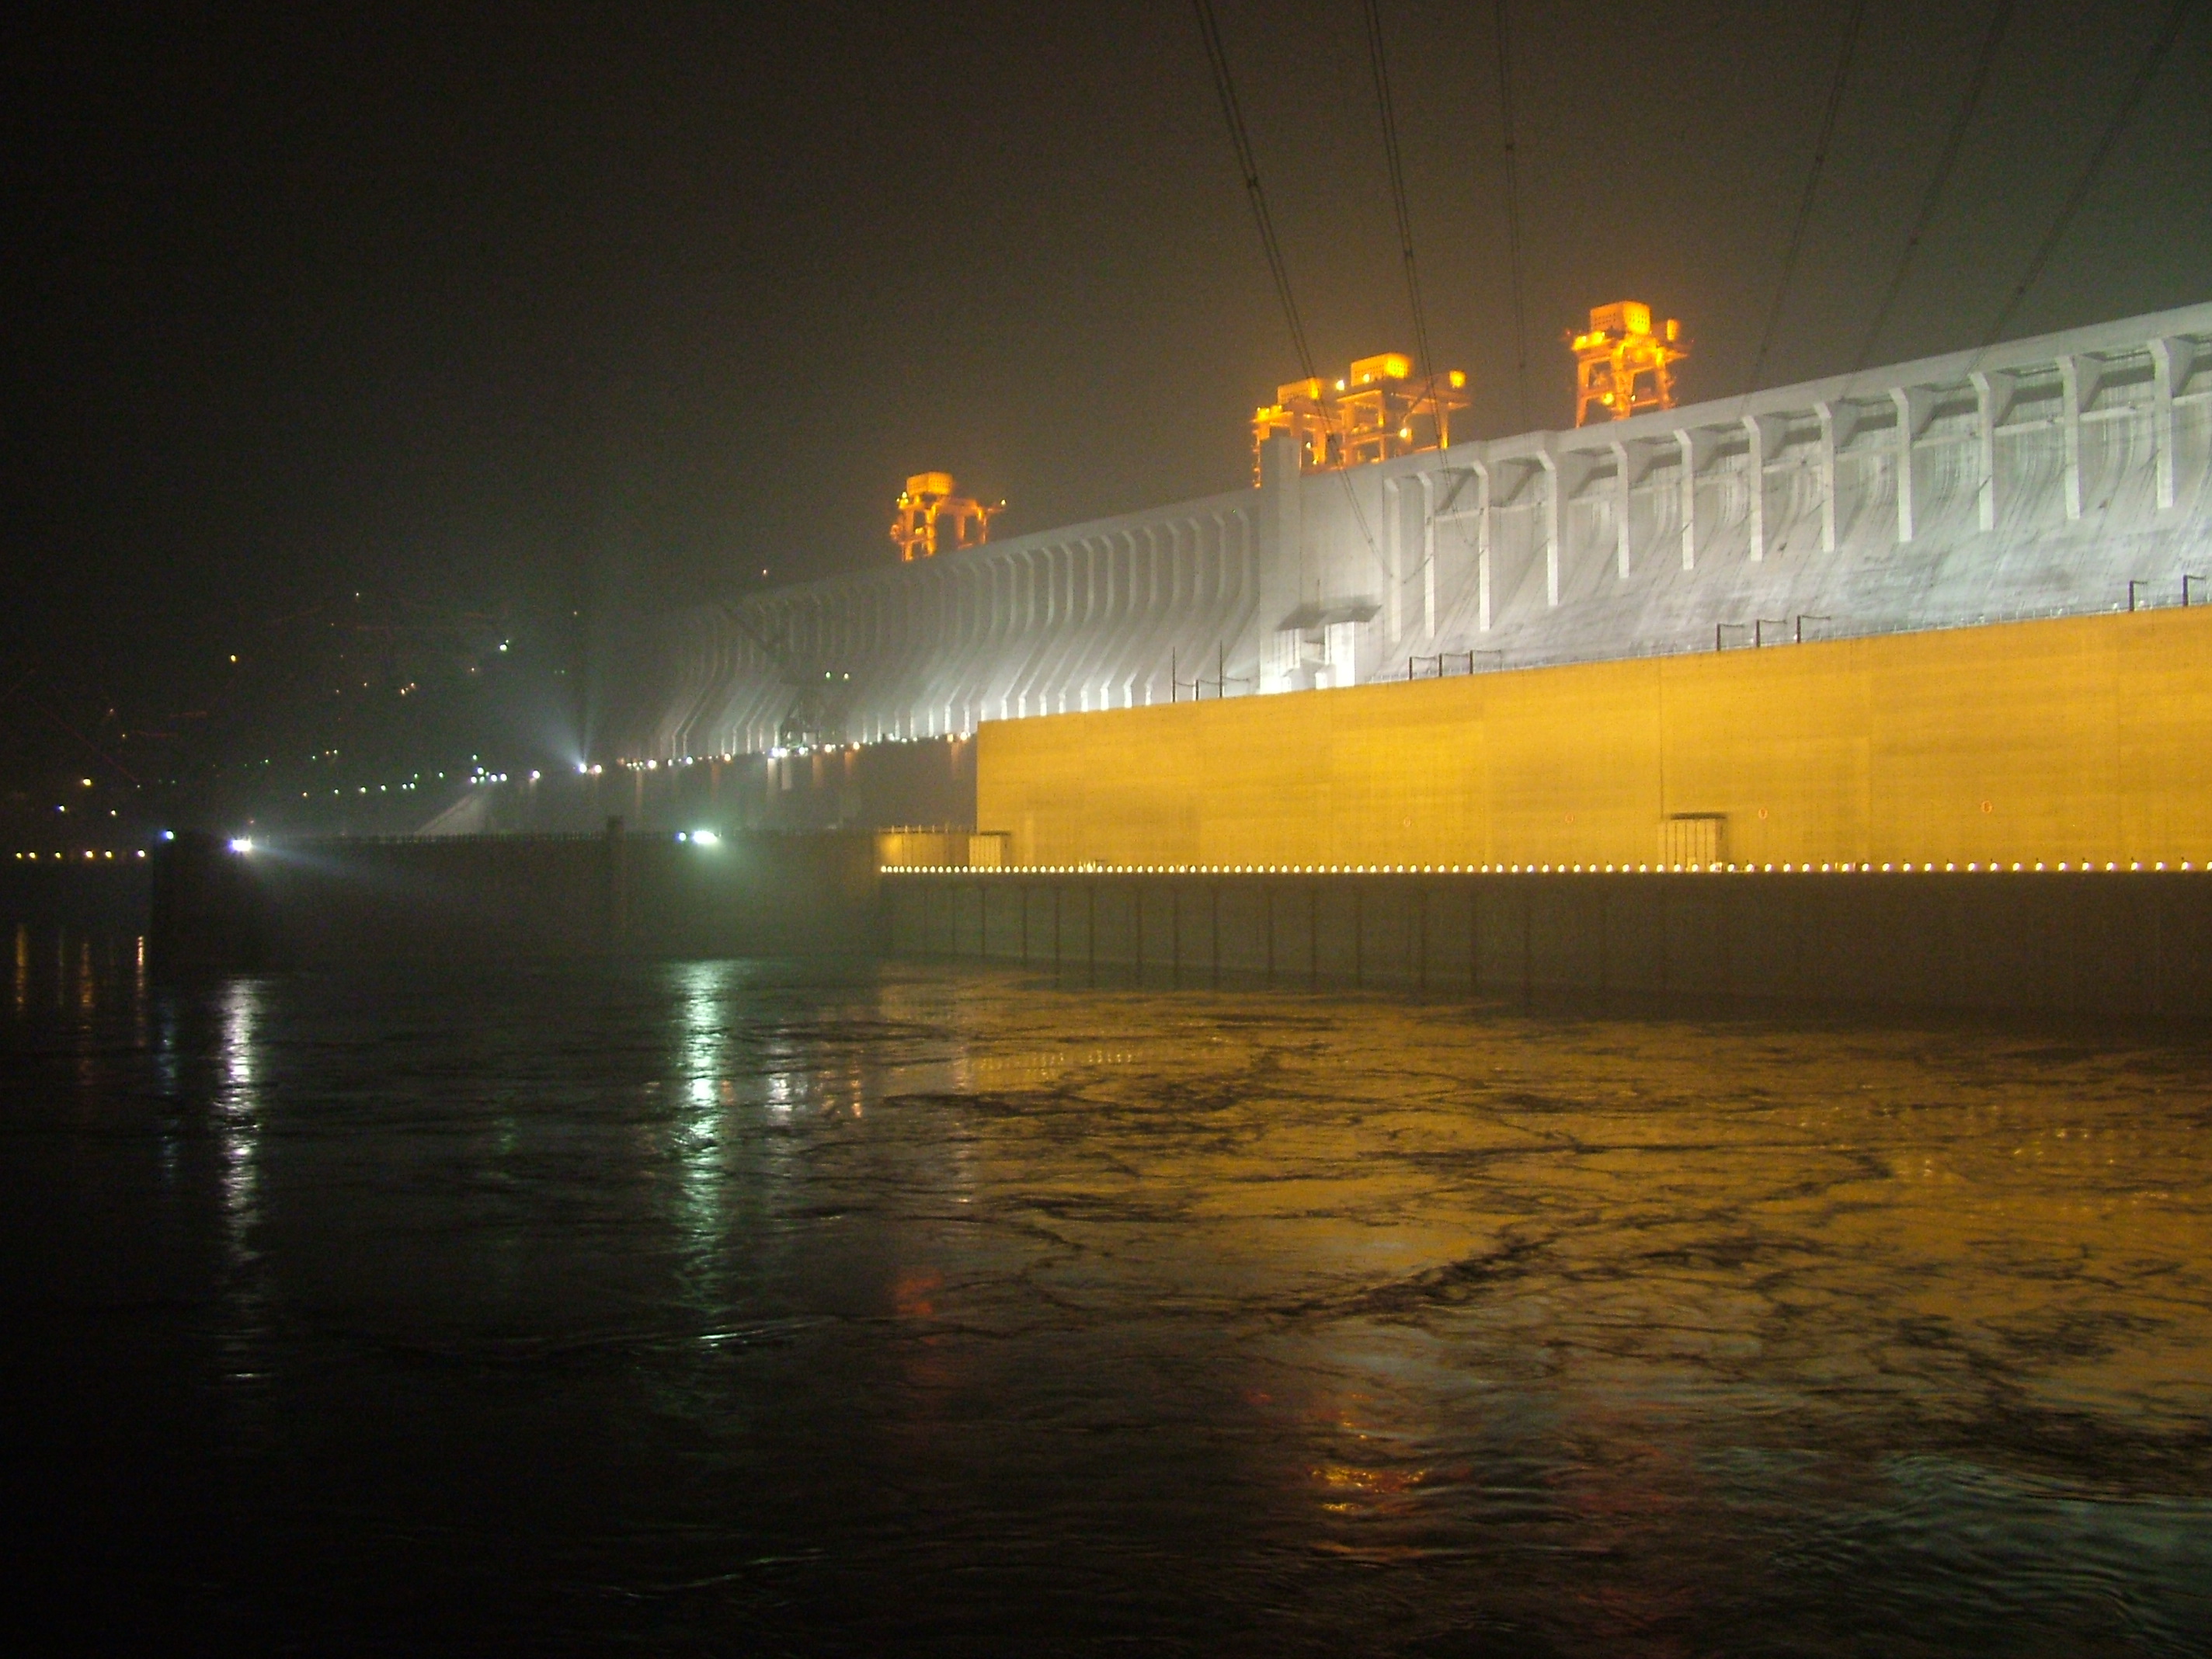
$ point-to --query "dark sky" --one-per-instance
(516, 307)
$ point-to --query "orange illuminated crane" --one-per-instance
(1368, 416)
(929, 497)
(1622, 367)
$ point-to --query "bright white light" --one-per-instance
(241, 844)
(704, 838)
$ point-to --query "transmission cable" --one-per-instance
(1812, 184)
(1513, 218)
(2121, 117)
(1224, 87)
(1377, 64)
(1998, 20)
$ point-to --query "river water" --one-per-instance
(736, 1307)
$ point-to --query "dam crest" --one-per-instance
(2063, 475)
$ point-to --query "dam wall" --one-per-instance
(109, 895)
(2118, 945)
(2065, 475)
(509, 898)
(2115, 947)
(2064, 744)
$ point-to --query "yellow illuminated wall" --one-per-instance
(2085, 739)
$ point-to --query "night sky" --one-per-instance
(511, 319)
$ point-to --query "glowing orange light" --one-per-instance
(1368, 415)
(1620, 365)
(928, 498)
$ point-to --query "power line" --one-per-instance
(1513, 218)
(2120, 119)
(1951, 145)
(1224, 87)
(1377, 64)
(1811, 184)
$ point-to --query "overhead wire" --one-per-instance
(2121, 117)
(1377, 63)
(1811, 185)
(1938, 181)
(1512, 217)
(1225, 88)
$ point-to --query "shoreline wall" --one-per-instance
(309, 904)
(2133, 947)
(2071, 740)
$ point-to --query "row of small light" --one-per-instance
(416, 782)
(245, 843)
(875, 743)
(1992, 868)
(72, 858)
(778, 753)
(668, 765)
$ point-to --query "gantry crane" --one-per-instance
(1368, 416)
(1621, 365)
(929, 498)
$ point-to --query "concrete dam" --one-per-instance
(2059, 476)
(1891, 689)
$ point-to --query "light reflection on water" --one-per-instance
(704, 1302)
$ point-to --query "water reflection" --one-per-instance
(707, 1093)
(920, 1310)
(236, 1110)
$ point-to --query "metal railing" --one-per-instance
(1757, 628)
(1443, 659)
(1221, 682)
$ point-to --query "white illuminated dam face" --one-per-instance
(2039, 478)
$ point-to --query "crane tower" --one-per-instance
(1368, 416)
(929, 498)
(1621, 367)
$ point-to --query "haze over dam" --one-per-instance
(1223, 829)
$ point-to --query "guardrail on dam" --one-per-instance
(2127, 945)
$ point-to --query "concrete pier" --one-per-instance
(2127, 945)
(506, 898)
(2121, 945)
